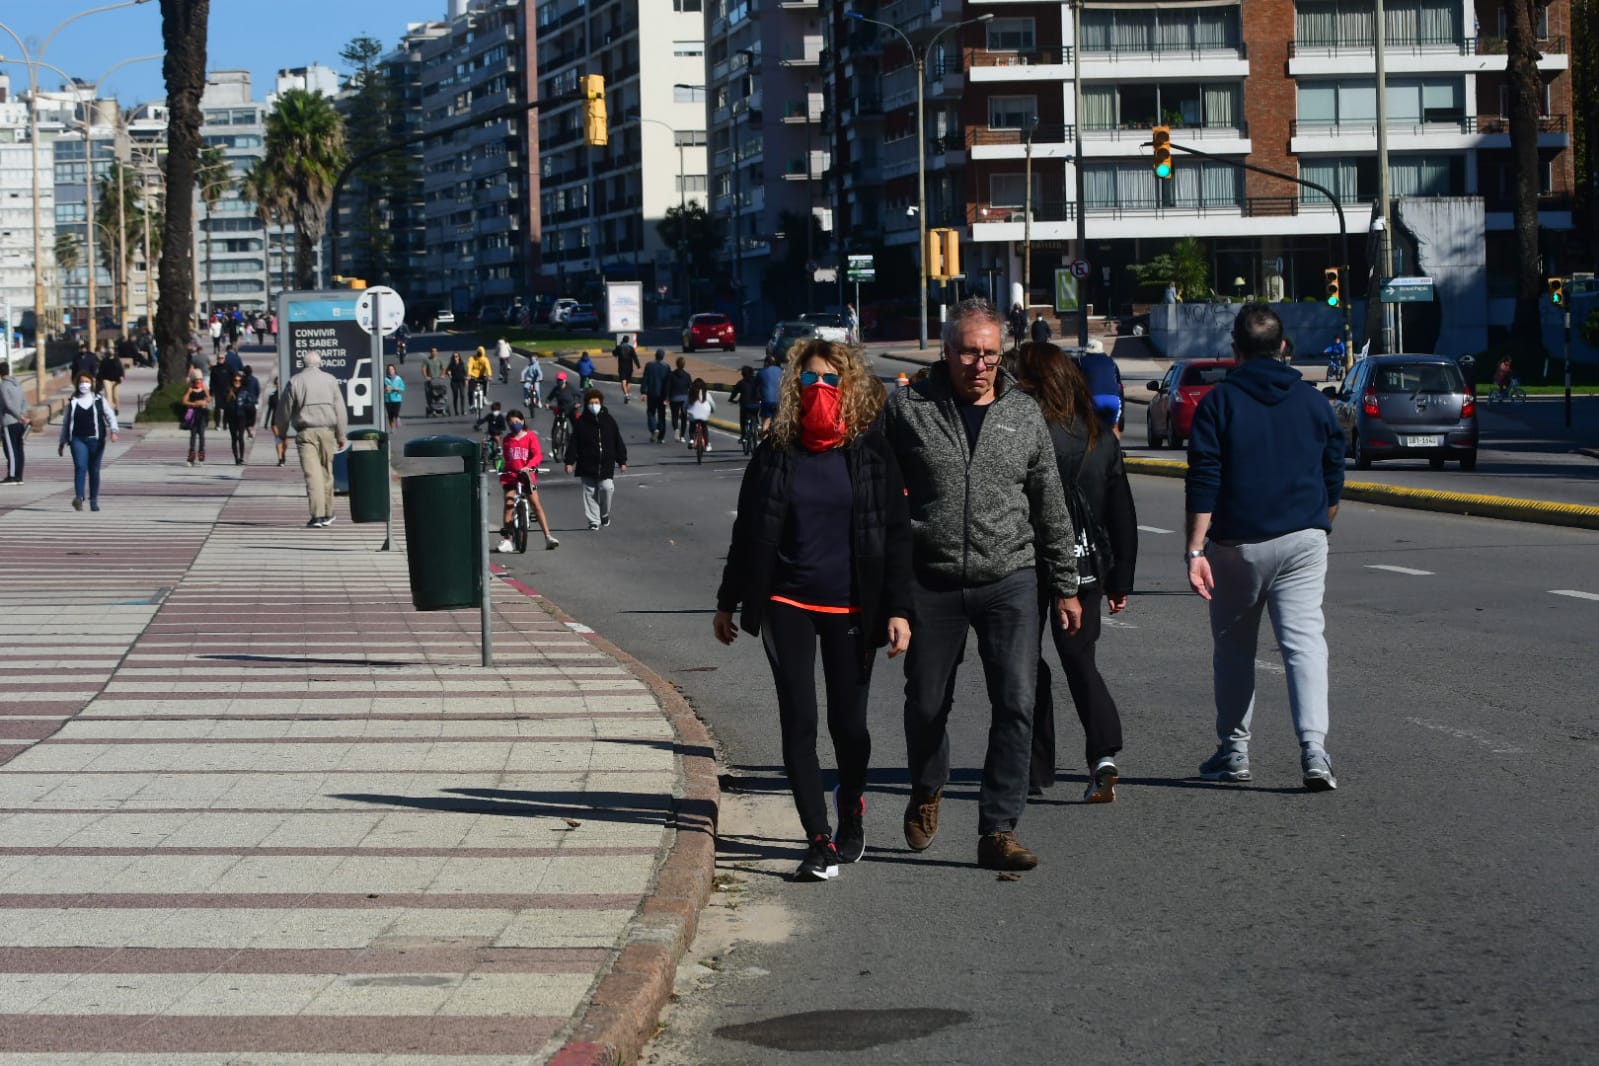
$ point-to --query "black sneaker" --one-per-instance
(851, 839)
(314, 523)
(820, 862)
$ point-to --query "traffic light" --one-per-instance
(1333, 295)
(1162, 143)
(934, 254)
(592, 87)
(952, 252)
(342, 282)
(1557, 291)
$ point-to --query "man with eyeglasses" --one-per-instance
(983, 490)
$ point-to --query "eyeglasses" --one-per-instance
(971, 358)
(811, 377)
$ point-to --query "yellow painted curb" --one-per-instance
(1509, 508)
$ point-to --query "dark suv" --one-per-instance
(1407, 407)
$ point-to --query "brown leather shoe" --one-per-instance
(1001, 851)
(921, 818)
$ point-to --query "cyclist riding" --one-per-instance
(1335, 359)
(520, 469)
(502, 349)
(563, 401)
(768, 379)
(478, 369)
(493, 423)
(701, 404)
(747, 394)
(585, 371)
(532, 374)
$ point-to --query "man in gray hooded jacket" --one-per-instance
(983, 490)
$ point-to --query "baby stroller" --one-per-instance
(436, 396)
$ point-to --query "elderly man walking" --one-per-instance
(313, 404)
(13, 424)
(986, 508)
(1265, 473)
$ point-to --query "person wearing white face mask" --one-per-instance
(87, 423)
(594, 452)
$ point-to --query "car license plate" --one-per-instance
(1424, 442)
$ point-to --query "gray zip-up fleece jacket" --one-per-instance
(977, 514)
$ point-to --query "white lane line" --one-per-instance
(1270, 667)
(1575, 594)
(1154, 529)
(1403, 570)
(578, 627)
(1495, 745)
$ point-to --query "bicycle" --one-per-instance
(559, 433)
(521, 516)
(702, 440)
(749, 438)
(505, 371)
(476, 395)
(491, 453)
(1512, 393)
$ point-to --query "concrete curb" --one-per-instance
(1508, 508)
(626, 1004)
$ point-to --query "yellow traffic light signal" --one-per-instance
(1162, 143)
(952, 252)
(1557, 291)
(934, 253)
(1333, 295)
(342, 282)
(595, 131)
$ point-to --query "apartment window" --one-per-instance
(1354, 102)
(693, 94)
(1010, 190)
(685, 49)
(1011, 35)
(1351, 24)
(1541, 30)
(688, 138)
(687, 5)
(1139, 105)
(1355, 180)
(1133, 186)
(1160, 30)
(1504, 99)
(1011, 112)
(691, 183)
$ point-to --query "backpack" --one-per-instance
(1092, 547)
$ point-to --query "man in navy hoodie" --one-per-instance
(1265, 472)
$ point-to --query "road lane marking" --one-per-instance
(1495, 745)
(1402, 570)
(1575, 594)
(578, 627)
(1154, 529)
(1269, 667)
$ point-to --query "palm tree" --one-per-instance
(304, 154)
(258, 186)
(118, 201)
(215, 177)
(1525, 85)
(66, 262)
(183, 32)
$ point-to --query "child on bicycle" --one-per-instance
(563, 400)
(532, 375)
(494, 425)
(1503, 377)
(522, 456)
(746, 392)
(478, 370)
(700, 406)
(585, 371)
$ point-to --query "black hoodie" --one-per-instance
(1265, 456)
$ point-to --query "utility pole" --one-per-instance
(1385, 240)
(1077, 166)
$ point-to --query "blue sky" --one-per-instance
(261, 36)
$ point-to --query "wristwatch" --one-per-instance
(1193, 555)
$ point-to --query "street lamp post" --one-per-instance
(32, 59)
(919, 60)
(682, 194)
(1027, 219)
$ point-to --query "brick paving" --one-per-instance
(254, 807)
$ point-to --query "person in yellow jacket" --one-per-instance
(478, 372)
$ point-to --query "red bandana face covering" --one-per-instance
(821, 421)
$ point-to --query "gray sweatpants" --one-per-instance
(1286, 576)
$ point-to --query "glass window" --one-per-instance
(1010, 190)
(1011, 35)
(1011, 112)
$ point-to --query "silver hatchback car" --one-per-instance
(1407, 407)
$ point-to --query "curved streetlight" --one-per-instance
(32, 59)
(682, 192)
(920, 61)
(88, 167)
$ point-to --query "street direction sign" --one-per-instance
(1406, 291)
(328, 322)
(1066, 291)
(1080, 268)
(391, 307)
(861, 268)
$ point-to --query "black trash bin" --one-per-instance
(443, 544)
(369, 475)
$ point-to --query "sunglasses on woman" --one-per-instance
(811, 377)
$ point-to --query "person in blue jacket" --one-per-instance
(1265, 473)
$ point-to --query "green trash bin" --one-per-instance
(368, 466)
(443, 542)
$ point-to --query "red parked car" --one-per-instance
(709, 331)
(1171, 412)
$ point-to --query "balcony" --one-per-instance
(1051, 140)
(801, 112)
(1129, 139)
(1039, 64)
(1354, 53)
(1162, 62)
(806, 52)
(1435, 132)
(796, 170)
(800, 5)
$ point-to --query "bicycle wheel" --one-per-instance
(519, 525)
(699, 444)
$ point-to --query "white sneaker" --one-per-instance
(505, 545)
(707, 445)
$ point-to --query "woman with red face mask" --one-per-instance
(820, 561)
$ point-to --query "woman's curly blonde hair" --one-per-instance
(861, 393)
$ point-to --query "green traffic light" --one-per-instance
(1163, 170)
(1332, 301)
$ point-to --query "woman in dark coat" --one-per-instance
(820, 559)
(594, 452)
(1090, 462)
(456, 372)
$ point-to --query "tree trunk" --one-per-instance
(1525, 91)
(183, 32)
(304, 257)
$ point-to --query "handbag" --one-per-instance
(188, 419)
(1092, 547)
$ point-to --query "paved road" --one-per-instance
(1437, 908)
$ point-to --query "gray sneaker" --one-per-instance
(1316, 767)
(1225, 765)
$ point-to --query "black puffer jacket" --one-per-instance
(1103, 478)
(880, 537)
(595, 448)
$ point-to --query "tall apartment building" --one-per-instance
(770, 151)
(600, 206)
(478, 192)
(16, 206)
(80, 126)
(1284, 85)
(239, 260)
